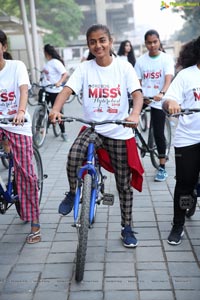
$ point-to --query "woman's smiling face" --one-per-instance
(99, 44)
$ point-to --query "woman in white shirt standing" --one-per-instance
(184, 92)
(126, 52)
(54, 72)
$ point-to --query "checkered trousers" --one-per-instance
(118, 155)
(25, 177)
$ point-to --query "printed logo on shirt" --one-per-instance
(104, 97)
(152, 75)
(196, 93)
(5, 96)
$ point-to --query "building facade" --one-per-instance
(118, 15)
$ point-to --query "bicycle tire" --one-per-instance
(56, 129)
(143, 121)
(39, 125)
(83, 229)
(80, 98)
(70, 99)
(5, 162)
(33, 96)
(154, 153)
(38, 167)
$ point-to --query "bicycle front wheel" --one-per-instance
(83, 229)
(56, 129)
(143, 120)
(154, 151)
(39, 125)
(38, 168)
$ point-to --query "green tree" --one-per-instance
(190, 12)
(62, 17)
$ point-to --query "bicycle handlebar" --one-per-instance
(9, 121)
(94, 123)
(46, 86)
(148, 100)
(186, 111)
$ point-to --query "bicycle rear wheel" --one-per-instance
(39, 125)
(154, 153)
(38, 167)
(83, 229)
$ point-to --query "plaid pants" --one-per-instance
(118, 155)
(25, 177)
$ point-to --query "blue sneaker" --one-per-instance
(67, 204)
(161, 175)
(128, 238)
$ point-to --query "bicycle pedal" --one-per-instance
(186, 202)
(108, 199)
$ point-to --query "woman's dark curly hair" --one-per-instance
(189, 54)
(121, 51)
(50, 50)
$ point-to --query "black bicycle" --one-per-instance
(146, 141)
(40, 120)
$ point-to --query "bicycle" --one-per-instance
(40, 120)
(89, 193)
(143, 120)
(146, 144)
(8, 190)
(188, 203)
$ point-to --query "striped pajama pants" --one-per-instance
(25, 177)
(118, 155)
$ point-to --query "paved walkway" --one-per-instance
(152, 271)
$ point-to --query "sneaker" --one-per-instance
(128, 238)
(66, 205)
(175, 235)
(161, 175)
(64, 136)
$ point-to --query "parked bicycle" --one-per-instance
(8, 191)
(188, 203)
(146, 142)
(89, 193)
(40, 120)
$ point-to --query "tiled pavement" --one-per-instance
(152, 271)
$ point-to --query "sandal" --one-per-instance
(34, 237)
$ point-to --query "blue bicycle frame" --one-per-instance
(91, 168)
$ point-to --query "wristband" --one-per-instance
(21, 110)
(161, 92)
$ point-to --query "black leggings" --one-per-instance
(158, 123)
(50, 98)
(187, 172)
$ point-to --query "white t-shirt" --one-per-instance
(105, 93)
(12, 76)
(185, 89)
(152, 71)
(52, 72)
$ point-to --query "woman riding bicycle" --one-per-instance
(54, 72)
(184, 92)
(155, 70)
(104, 81)
(14, 83)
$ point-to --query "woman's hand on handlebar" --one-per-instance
(133, 117)
(55, 116)
(172, 107)
(19, 118)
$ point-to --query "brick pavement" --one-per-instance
(152, 271)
